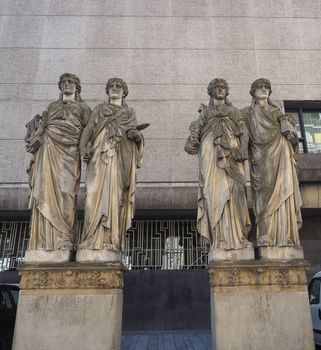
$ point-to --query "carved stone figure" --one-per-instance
(273, 152)
(112, 145)
(54, 171)
(219, 137)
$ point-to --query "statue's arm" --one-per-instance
(35, 130)
(288, 129)
(87, 113)
(84, 144)
(242, 154)
(32, 126)
(193, 140)
(135, 134)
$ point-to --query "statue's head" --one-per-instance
(218, 89)
(261, 89)
(69, 84)
(117, 88)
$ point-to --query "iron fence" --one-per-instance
(149, 244)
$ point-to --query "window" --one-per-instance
(5, 300)
(314, 291)
(308, 117)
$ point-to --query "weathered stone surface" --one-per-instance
(309, 169)
(53, 321)
(112, 146)
(170, 160)
(154, 195)
(57, 306)
(236, 254)
(249, 8)
(71, 276)
(96, 256)
(257, 273)
(292, 33)
(52, 139)
(259, 298)
(167, 69)
(280, 253)
(44, 256)
(219, 138)
(273, 152)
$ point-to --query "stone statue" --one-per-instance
(220, 139)
(112, 145)
(54, 171)
(273, 152)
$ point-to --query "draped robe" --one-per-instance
(222, 215)
(274, 182)
(110, 178)
(55, 177)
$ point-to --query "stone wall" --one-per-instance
(167, 51)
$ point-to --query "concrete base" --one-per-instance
(233, 254)
(260, 305)
(74, 307)
(98, 256)
(47, 256)
(281, 253)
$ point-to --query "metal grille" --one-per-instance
(170, 244)
(164, 244)
(13, 243)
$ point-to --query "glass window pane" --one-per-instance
(5, 302)
(314, 291)
(312, 125)
(15, 295)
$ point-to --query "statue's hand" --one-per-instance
(195, 130)
(86, 154)
(135, 135)
(241, 155)
(202, 107)
(34, 143)
(292, 137)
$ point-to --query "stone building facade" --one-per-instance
(167, 51)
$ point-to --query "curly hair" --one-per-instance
(212, 85)
(259, 82)
(120, 81)
(70, 76)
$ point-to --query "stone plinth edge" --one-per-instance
(258, 273)
(72, 276)
(47, 256)
(233, 254)
(98, 256)
(278, 253)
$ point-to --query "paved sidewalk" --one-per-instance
(166, 340)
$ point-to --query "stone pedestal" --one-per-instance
(260, 305)
(69, 307)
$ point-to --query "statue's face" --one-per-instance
(115, 90)
(262, 91)
(220, 91)
(68, 86)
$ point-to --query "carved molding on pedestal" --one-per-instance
(256, 275)
(72, 278)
